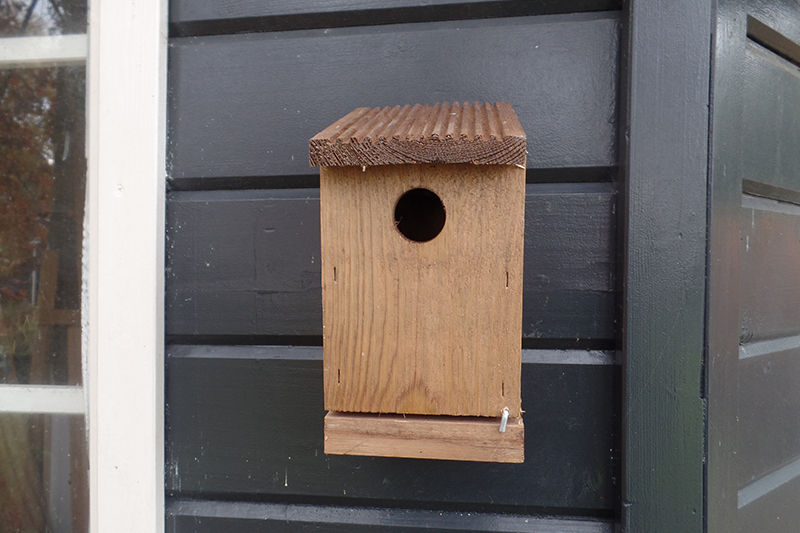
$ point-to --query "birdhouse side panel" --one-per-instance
(428, 327)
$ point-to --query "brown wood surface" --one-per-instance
(483, 134)
(422, 328)
(425, 437)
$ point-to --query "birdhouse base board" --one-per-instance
(455, 438)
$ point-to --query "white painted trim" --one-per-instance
(41, 399)
(765, 485)
(51, 50)
(125, 196)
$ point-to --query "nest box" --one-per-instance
(422, 218)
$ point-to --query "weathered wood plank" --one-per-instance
(247, 262)
(232, 116)
(184, 516)
(453, 438)
(770, 269)
(487, 133)
(249, 420)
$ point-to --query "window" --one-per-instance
(111, 314)
(43, 452)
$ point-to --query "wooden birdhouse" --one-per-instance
(422, 218)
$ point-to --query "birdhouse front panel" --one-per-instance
(422, 305)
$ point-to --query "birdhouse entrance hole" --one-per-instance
(419, 215)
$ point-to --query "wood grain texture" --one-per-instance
(184, 516)
(665, 166)
(248, 421)
(482, 134)
(450, 438)
(770, 269)
(231, 116)
(771, 113)
(422, 327)
(247, 262)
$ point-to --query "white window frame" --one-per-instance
(126, 126)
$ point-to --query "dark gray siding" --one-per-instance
(243, 302)
(247, 420)
(754, 338)
(246, 105)
(236, 277)
(237, 517)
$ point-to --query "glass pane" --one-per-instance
(43, 474)
(42, 17)
(42, 189)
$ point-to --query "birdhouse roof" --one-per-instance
(483, 134)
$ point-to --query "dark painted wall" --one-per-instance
(243, 317)
(754, 312)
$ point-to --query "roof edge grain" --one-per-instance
(483, 134)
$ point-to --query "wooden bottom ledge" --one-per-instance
(455, 438)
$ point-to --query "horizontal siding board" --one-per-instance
(776, 512)
(246, 105)
(252, 425)
(771, 140)
(247, 262)
(769, 413)
(770, 266)
(205, 10)
(244, 517)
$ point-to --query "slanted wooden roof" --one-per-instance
(483, 134)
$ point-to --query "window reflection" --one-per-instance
(42, 188)
(43, 474)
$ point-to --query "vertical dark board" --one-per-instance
(724, 267)
(246, 105)
(247, 421)
(665, 166)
